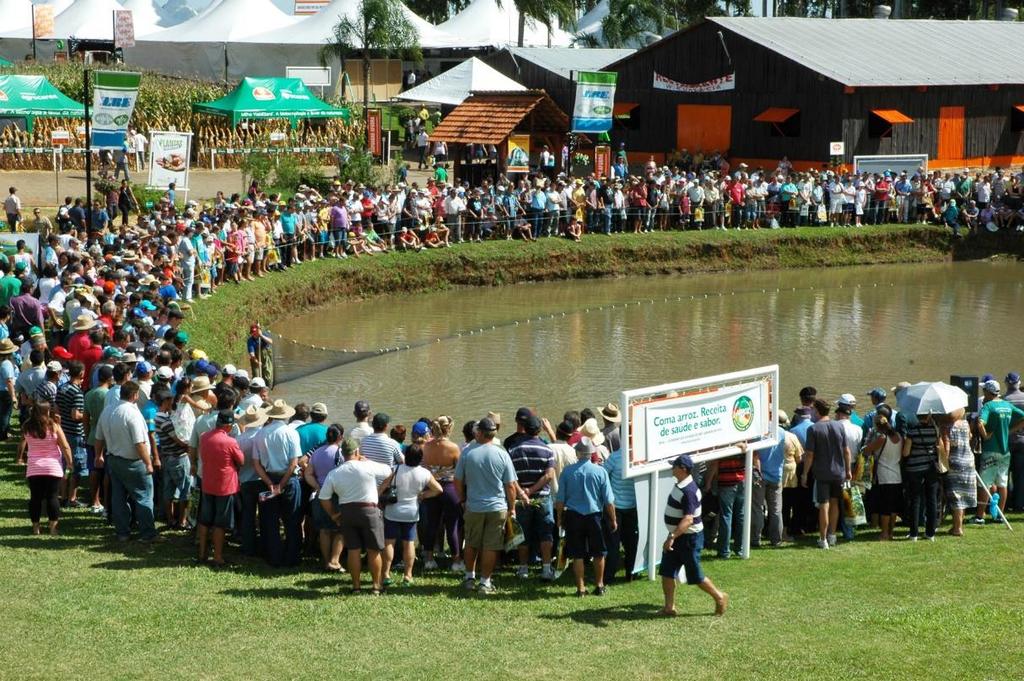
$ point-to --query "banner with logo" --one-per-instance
(113, 99)
(518, 160)
(309, 7)
(720, 84)
(124, 28)
(603, 161)
(169, 159)
(373, 132)
(595, 99)
(42, 21)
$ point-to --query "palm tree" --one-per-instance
(377, 27)
(630, 22)
(546, 12)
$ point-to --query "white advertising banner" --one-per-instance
(720, 84)
(169, 154)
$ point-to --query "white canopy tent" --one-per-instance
(90, 19)
(591, 21)
(17, 14)
(454, 85)
(144, 17)
(484, 24)
(227, 21)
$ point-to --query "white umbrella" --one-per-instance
(931, 398)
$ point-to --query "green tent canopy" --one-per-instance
(5, 63)
(32, 97)
(263, 98)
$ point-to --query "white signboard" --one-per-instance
(305, 8)
(311, 76)
(836, 148)
(720, 84)
(169, 154)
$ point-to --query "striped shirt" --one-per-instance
(532, 458)
(923, 453)
(169, 445)
(69, 399)
(45, 392)
(731, 471)
(380, 448)
(684, 500)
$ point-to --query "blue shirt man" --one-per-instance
(623, 489)
(800, 429)
(485, 469)
(585, 488)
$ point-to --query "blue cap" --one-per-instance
(1013, 377)
(420, 428)
(683, 461)
(143, 367)
(148, 306)
(877, 394)
(987, 377)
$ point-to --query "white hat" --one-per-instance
(242, 373)
(165, 373)
(229, 370)
(258, 382)
(54, 366)
(847, 399)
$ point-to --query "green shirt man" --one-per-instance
(440, 174)
(10, 286)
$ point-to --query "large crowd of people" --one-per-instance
(120, 414)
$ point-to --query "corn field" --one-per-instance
(165, 103)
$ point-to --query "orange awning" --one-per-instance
(775, 115)
(623, 109)
(1019, 107)
(892, 116)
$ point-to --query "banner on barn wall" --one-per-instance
(595, 100)
(720, 84)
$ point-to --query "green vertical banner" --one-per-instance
(595, 99)
(114, 95)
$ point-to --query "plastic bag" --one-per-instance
(514, 535)
(184, 420)
(853, 505)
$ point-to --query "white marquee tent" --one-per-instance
(483, 23)
(17, 14)
(454, 85)
(91, 19)
(227, 21)
(144, 17)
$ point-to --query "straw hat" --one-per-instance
(200, 385)
(590, 430)
(7, 347)
(252, 416)
(610, 413)
(280, 410)
(83, 323)
(496, 417)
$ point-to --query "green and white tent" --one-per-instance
(266, 98)
(32, 97)
(5, 63)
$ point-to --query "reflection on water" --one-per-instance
(841, 330)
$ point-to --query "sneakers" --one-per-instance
(547, 574)
(469, 584)
(823, 544)
(458, 566)
(831, 540)
(432, 565)
(977, 521)
(99, 510)
(486, 589)
(599, 591)
(523, 572)
(912, 537)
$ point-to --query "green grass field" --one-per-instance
(79, 606)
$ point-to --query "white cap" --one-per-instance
(258, 382)
(165, 373)
(242, 373)
(229, 370)
(54, 366)
(847, 399)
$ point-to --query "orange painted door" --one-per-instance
(951, 133)
(704, 127)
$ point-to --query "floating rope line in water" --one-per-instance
(335, 357)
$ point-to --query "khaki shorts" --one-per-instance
(485, 531)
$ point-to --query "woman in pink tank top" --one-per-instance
(49, 459)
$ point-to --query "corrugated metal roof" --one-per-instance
(564, 60)
(894, 52)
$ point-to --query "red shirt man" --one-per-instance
(222, 457)
(79, 341)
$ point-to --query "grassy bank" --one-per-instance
(220, 324)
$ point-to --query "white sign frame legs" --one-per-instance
(686, 394)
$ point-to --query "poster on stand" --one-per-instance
(169, 154)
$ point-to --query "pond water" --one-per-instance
(561, 345)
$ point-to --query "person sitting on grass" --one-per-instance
(407, 240)
(443, 233)
(432, 239)
(374, 242)
(574, 230)
(522, 230)
(680, 559)
(221, 457)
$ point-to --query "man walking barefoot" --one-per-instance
(685, 540)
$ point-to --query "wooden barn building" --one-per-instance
(764, 88)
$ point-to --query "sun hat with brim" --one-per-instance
(83, 323)
(252, 416)
(280, 410)
(7, 347)
(589, 429)
(200, 385)
(610, 413)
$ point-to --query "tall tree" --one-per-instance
(630, 22)
(437, 11)
(547, 12)
(378, 27)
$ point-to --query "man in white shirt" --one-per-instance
(139, 143)
(12, 208)
(362, 427)
(355, 484)
(122, 446)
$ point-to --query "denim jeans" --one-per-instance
(535, 216)
(922, 487)
(282, 509)
(730, 512)
(188, 279)
(773, 501)
(250, 495)
(130, 481)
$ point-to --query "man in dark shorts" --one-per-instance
(355, 484)
(584, 493)
(682, 547)
(827, 455)
(222, 457)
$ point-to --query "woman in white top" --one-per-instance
(888, 488)
(413, 483)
